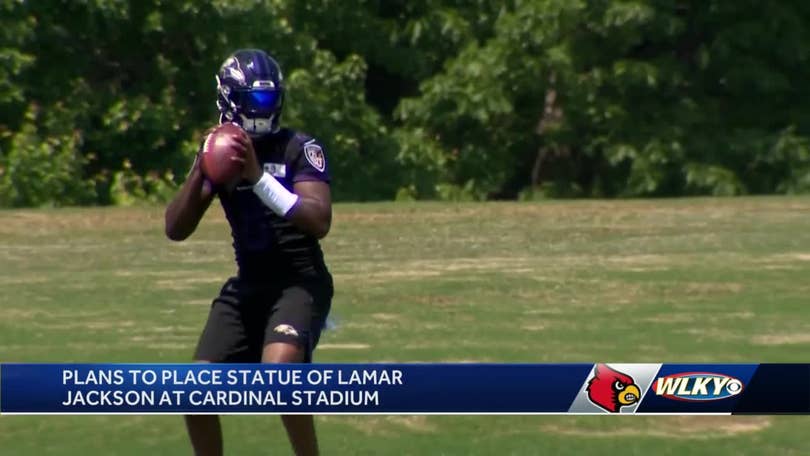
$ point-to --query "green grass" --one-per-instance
(697, 280)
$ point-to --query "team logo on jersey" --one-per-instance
(315, 157)
(697, 386)
(286, 330)
(611, 390)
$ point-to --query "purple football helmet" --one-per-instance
(250, 91)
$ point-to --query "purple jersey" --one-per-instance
(267, 245)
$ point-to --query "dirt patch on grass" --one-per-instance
(781, 259)
(744, 315)
(384, 276)
(460, 361)
(101, 325)
(681, 427)
(198, 245)
(463, 264)
(545, 310)
(86, 220)
(645, 259)
(347, 346)
(783, 262)
(521, 265)
(414, 423)
(366, 425)
(169, 346)
(22, 314)
(381, 426)
(702, 334)
(195, 302)
(712, 287)
(430, 300)
(24, 280)
(98, 325)
(164, 329)
(442, 360)
(534, 327)
(364, 325)
(686, 317)
(178, 273)
(782, 339)
(203, 259)
(434, 267)
(185, 283)
(671, 318)
(781, 267)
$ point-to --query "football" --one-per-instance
(218, 150)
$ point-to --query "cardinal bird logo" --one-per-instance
(612, 390)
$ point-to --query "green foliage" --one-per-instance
(451, 192)
(405, 194)
(329, 95)
(789, 156)
(449, 99)
(649, 98)
(129, 189)
(41, 170)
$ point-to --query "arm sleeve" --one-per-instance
(309, 163)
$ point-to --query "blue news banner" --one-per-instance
(405, 388)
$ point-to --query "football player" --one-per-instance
(273, 310)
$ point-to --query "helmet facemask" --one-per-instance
(250, 92)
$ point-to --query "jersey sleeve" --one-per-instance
(309, 163)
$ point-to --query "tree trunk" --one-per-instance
(551, 117)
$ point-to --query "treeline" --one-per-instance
(105, 101)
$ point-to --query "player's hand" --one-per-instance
(251, 171)
(196, 166)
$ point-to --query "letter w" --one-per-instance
(667, 385)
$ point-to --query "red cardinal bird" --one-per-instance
(611, 389)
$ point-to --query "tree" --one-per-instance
(648, 98)
(455, 99)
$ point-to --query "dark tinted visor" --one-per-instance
(258, 101)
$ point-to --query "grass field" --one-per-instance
(702, 280)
